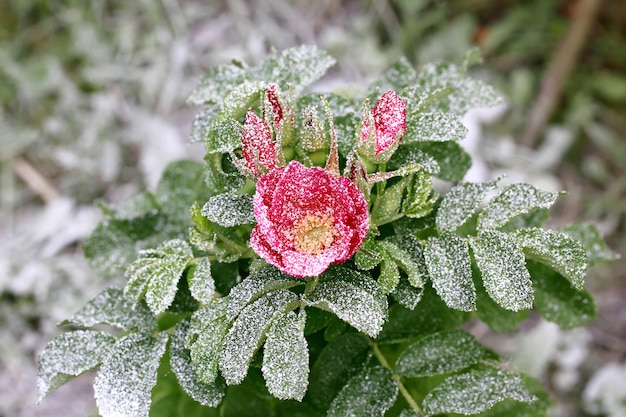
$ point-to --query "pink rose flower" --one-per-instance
(257, 146)
(307, 219)
(389, 116)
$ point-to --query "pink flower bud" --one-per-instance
(277, 110)
(389, 120)
(257, 146)
(307, 219)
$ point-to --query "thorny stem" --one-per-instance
(405, 393)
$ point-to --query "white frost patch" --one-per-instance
(605, 393)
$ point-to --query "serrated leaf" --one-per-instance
(448, 263)
(590, 238)
(534, 218)
(439, 353)
(514, 200)
(497, 318)
(420, 197)
(397, 78)
(460, 203)
(222, 176)
(389, 274)
(220, 136)
(201, 283)
(112, 308)
(557, 250)
(557, 300)
(413, 269)
(354, 297)
(369, 255)
(474, 392)
(450, 158)
(435, 127)
(339, 361)
(370, 393)
(176, 200)
(127, 376)
(240, 99)
(69, 355)
(387, 206)
(230, 210)
(510, 407)
(503, 267)
(248, 332)
(208, 395)
(256, 285)
(407, 295)
(205, 338)
(216, 84)
(204, 124)
(286, 358)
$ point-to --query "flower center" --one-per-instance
(312, 234)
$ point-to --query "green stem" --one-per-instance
(405, 393)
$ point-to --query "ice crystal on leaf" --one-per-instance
(229, 210)
(435, 127)
(201, 283)
(460, 203)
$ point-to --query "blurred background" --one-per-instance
(92, 106)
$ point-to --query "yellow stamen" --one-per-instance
(312, 234)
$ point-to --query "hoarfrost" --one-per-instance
(111, 307)
(247, 333)
(514, 200)
(216, 83)
(474, 392)
(435, 127)
(229, 210)
(286, 358)
(448, 262)
(460, 203)
(126, 378)
(201, 283)
(370, 393)
(205, 337)
(353, 297)
(503, 267)
(407, 295)
(595, 246)
(439, 353)
(209, 395)
(69, 355)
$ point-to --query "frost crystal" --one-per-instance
(229, 210)
(435, 127)
(205, 337)
(201, 283)
(460, 203)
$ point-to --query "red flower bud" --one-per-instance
(389, 119)
(257, 146)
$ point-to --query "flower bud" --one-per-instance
(382, 128)
(258, 148)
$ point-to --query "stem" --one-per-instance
(405, 393)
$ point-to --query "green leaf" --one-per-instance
(201, 283)
(420, 197)
(245, 95)
(353, 296)
(514, 200)
(339, 361)
(204, 125)
(448, 262)
(497, 318)
(389, 274)
(435, 127)
(229, 210)
(387, 206)
(222, 175)
(460, 203)
(557, 250)
(112, 308)
(247, 400)
(475, 392)
(127, 376)
(176, 200)
(407, 295)
(439, 353)
(370, 393)
(205, 338)
(369, 255)
(69, 355)
(397, 78)
(208, 395)
(157, 274)
(451, 158)
(256, 285)
(220, 136)
(502, 265)
(286, 358)
(414, 271)
(589, 237)
(534, 218)
(248, 332)
(217, 82)
(510, 407)
(557, 300)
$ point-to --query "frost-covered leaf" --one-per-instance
(204, 124)
(286, 358)
(450, 158)
(205, 338)
(534, 218)
(397, 78)
(387, 206)
(557, 250)
(229, 210)
(510, 407)
(127, 376)
(248, 332)
(201, 283)
(112, 308)
(240, 99)
(389, 274)
(405, 261)
(557, 300)
(474, 392)
(407, 295)
(222, 175)
(467, 93)
(514, 200)
(217, 82)
(439, 353)
(497, 318)
(593, 243)
(370, 393)
(157, 274)
(435, 127)
(175, 199)
(339, 361)
(369, 255)
(449, 266)
(209, 395)
(420, 198)
(69, 355)
(256, 285)
(353, 296)
(220, 136)
(503, 268)
(460, 203)
(409, 413)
